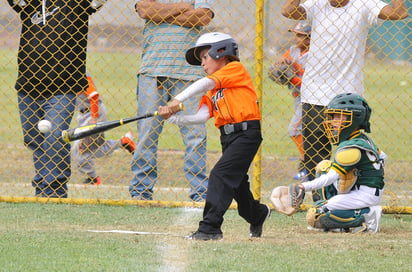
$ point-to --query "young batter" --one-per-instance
(231, 99)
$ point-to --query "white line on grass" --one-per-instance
(175, 255)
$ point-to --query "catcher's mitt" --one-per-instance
(281, 74)
(281, 200)
(296, 195)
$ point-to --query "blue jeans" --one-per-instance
(153, 92)
(51, 155)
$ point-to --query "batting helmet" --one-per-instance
(219, 45)
(357, 112)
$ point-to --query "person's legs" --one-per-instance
(150, 96)
(316, 144)
(51, 155)
(228, 179)
(194, 138)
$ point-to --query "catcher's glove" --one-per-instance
(281, 201)
(296, 195)
(281, 74)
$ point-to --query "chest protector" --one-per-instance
(362, 154)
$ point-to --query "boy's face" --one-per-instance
(338, 119)
(302, 41)
(209, 64)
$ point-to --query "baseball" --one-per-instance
(44, 126)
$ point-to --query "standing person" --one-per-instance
(357, 171)
(229, 97)
(51, 71)
(171, 26)
(91, 110)
(288, 70)
(335, 61)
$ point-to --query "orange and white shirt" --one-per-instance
(234, 98)
(89, 100)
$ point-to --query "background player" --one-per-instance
(335, 61)
(91, 110)
(288, 70)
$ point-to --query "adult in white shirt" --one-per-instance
(335, 61)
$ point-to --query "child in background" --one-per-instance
(92, 110)
(288, 70)
(229, 97)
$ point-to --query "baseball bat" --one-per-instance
(73, 134)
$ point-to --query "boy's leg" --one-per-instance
(226, 178)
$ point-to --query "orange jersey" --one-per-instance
(297, 80)
(234, 98)
(93, 96)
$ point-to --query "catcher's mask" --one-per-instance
(219, 45)
(345, 114)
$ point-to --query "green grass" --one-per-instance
(55, 237)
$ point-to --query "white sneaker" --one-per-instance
(372, 218)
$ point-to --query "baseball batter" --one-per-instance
(229, 97)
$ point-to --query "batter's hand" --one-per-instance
(164, 111)
(175, 106)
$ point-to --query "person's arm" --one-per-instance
(293, 10)
(192, 18)
(200, 117)
(198, 87)
(396, 11)
(322, 181)
(17, 5)
(160, 12)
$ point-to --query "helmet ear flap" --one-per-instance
(366, 125)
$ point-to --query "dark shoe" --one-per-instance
(256, 231)
(93, 181)
(198, 235)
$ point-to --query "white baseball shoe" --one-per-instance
(372, 218)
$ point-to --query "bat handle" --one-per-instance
(181, 106)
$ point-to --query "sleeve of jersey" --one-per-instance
(200, 86)
(230, 75)
(200, 117)
(322, 181)
(94, 105)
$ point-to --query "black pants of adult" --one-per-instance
(316, 145)
(228, 180)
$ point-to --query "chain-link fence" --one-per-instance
(171, 162)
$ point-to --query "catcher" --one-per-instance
(357, 172)
(288, 70)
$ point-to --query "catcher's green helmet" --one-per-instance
(346, 113)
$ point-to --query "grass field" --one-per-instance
(56, 237)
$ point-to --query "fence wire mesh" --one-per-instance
(115, 43)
